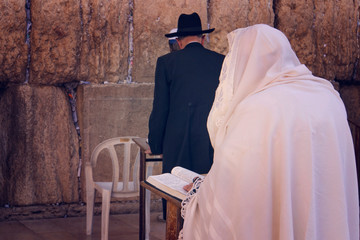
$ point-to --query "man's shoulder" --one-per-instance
(215, 53)
(202, 51)
(168, 55)
(184, 53)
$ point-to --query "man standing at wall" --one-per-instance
(185, 84)
(173, 43)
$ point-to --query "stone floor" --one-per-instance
(123, 226)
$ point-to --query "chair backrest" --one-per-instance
(124, 188)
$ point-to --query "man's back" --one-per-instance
(193, 76)
(185, 85)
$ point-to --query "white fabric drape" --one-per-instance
(284, 165)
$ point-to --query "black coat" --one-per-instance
(185, 85)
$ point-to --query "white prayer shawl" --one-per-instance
(284, 164)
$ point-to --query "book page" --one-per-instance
(168, 180)
(185, 174)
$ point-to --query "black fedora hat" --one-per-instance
(189, 25)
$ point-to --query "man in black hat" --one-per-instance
(185, 84)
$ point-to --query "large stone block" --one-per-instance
(324, 34)
(153, 19)
(13, 49)
(55, 41)
(108, 111)
(79, 40)
(104, 50)
(39, 147)
(228, 15)
(351, 98)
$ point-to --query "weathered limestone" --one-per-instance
(55, 41)
(13, 50)
(105, 45)
(70, 210)
(39, 147)
(351, 95)
(89, 39)
(228, 15)
(112, 110)
(79, 40)
(324, 34)
(152, 20)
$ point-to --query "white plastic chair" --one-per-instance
(116, 189)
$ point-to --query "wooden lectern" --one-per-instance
(174, 220)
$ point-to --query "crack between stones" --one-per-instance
(27, 38)
(353, 76)
(208, 19)
(276, 17)
(80, 40)
(71, 92)
(128, 78)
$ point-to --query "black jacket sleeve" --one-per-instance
(159, 114)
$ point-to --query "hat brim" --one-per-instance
(188, 33)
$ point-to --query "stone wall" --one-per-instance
(325, 35)
(39, 146)
(108, 111)
(106, 52)
(13, 49)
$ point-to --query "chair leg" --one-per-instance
(105, 213)
(90, 198)
(147, 214)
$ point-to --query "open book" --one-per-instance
(173, 183)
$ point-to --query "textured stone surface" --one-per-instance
(104, 50)
(70, 210)
(153, 19)
(351, 98)
(13, 50)
(55, 41)
(6, 120)
(39, 156)
(79, 40)
(88, 39)
(112, 110)
(324, 34)
(228, 15)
